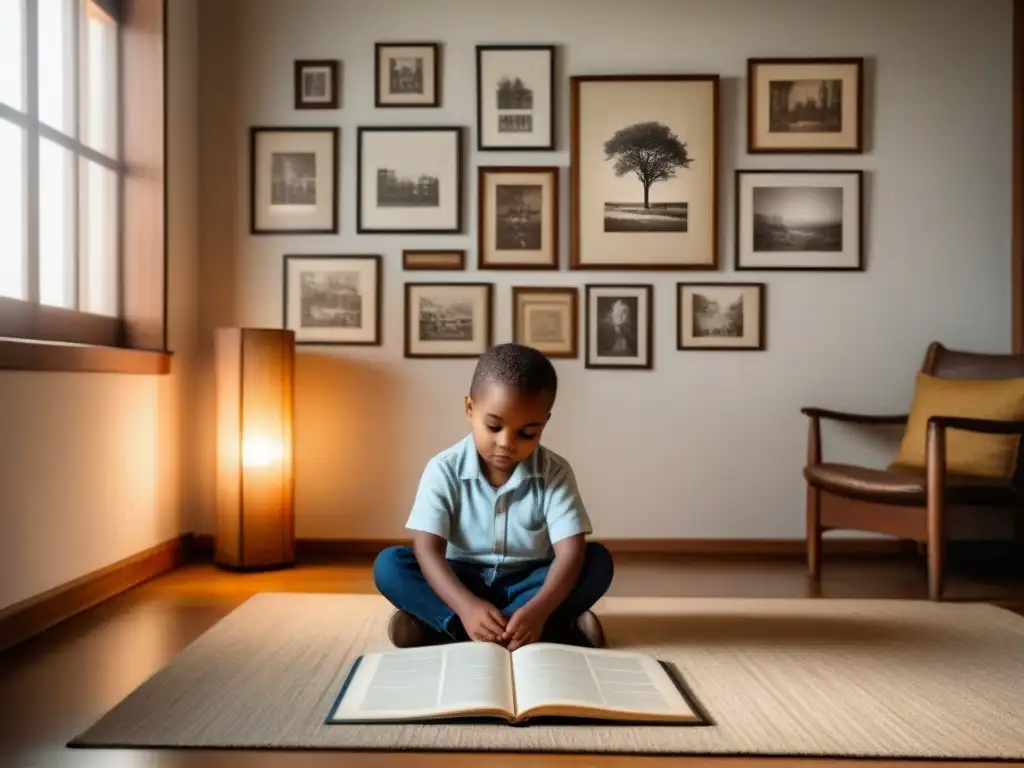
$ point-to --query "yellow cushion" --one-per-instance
(969, 453)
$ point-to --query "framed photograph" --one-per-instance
(333, 299)
(644, 166)
(619, 325)
(293, 180)
(799, 220)
(515, 97)
(805, 105)
(420, 259)
(407, 75)
(449, 320)
(409, 180)
(720, 316)
(316, 84)
(546, 318)
(517, 225)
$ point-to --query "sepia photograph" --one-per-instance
(407, 75)
(414, 259)
(333, 299)
(406, 187)
(448, 320)
(519, 212)
(316, 84)
(619, 320)
(798, 218)
(805, 106)
(293, 180)
(720, 316)
(546, 318)
(515, 97)
(518, 217)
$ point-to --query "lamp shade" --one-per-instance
(255, 381)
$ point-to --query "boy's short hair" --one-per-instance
(525, 369)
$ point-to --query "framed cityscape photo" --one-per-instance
(293, 180)
(644, 165)
(799, 220)
(546, 318)
(409, 180)
(515, 97)
(407, 75)
(333, 299)
(805, 105)
(518, 217)
(720, 316)
(448, 320)
(316, 84)
(438, 259)
(619, 326)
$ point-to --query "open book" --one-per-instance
(484, 680)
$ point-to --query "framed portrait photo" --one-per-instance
(433, 259)
(619, 323)
(316, 84)
(720, 316)
(407, 75)
(515, 97)
(805, 105)
(518, 217)
(450, 320)
(409, 180)
(293, 180)
(546, 318)
(333, 299)
(799, 220)
(644, 165)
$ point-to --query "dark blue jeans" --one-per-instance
(397, 576)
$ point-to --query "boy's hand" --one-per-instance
(525, 627)
(483, 622)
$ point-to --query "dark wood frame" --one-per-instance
(753, 64)
(332, 65)
(334, 132)
(459, 181)
(483, 172)
(737, 213)
(379, 291)
(459, 253)
(377, 74)
(1017, 261)
(762, 319)
(488, 326)
(648, 288)
(574, 172)
(573, 292)
(552, 52)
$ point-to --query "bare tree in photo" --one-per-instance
(652, 152)
(805, 106)
(798, 219)
(445, 320)
(519, 217)
(713, 318)
(293, 178)
(330, 299)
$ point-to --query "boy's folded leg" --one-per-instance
(406, 631)
(583, 630)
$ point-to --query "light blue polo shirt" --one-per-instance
(507, 527)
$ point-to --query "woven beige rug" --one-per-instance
(841, 678)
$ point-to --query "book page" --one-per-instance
(559, 679)
(421, 683)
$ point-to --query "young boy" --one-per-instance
(499, 553)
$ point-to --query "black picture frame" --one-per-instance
(550, 102)
(647, 317)
(333, 98)
(488, 321)
(378, 294)
(378, 74)
(762, 317)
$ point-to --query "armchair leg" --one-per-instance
(814, 533)
(936, 511)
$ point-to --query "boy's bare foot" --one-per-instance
(589, 626)
(406, 631)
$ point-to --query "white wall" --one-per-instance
(705, 445)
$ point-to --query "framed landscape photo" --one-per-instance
(420, 259)
(619, 323)
(799, 220)
(805, 105)
(316, 84)
(547, 318)
(720, 316)
(517, 225)
(450, 320)
(407, 75)
(333, 299)
(409, 180)
(293, 180)
(515, 97)
(644, 165)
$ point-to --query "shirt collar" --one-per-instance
(470, 464)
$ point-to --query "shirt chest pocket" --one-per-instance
(527, 513)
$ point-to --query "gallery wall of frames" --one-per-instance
(644, 196)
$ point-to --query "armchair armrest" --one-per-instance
(985, 426)
(854, 418)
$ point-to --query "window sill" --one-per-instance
(29, 355)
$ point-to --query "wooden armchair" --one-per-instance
(912, 502)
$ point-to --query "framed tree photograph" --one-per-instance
(293, 180)
(644, 164)
(409, 180)
(547, 318)
(437, 259)
(450, 320)
(799, 220)
(515, 97)
(720, 316)
(333, 299)
(407, 75)
(805, 105)
(619, 322)
(517, 224)
(316, 84)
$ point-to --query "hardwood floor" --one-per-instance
(59, 683)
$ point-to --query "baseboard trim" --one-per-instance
(34, 615)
